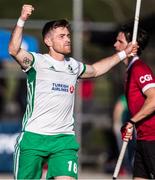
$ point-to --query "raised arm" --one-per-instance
(104, 65)
(20, 55)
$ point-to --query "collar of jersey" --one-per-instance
(54, 60)
(66, 64)
(135, 58)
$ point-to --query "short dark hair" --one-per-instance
(142, 36)
(55, 24)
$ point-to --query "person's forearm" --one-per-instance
(147, 109)
(104, 65)
(101, 67)
(16, 38)
(15, 41)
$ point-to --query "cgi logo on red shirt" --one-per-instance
(145, 78)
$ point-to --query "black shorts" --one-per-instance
(144, 163)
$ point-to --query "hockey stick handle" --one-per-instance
(136, 21)
(120, 159)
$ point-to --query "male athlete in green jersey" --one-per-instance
(47, 130)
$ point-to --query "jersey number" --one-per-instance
(72, 166)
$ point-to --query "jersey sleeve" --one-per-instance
(34, 63)
(82, 69)
(144, 77)
(78, 66)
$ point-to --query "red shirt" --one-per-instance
(139, 79)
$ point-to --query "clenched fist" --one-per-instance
(26, 11)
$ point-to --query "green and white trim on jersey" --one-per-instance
(50, 99)
(17, 154)
(31, 81)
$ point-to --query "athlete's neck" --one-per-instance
(56, 56)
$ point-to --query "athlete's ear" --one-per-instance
(47, 41)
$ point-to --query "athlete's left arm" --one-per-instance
(148, 107)
(105, 64)
(101, 66)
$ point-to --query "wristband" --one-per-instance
(132, 122)
(20, 22)
(122, 55)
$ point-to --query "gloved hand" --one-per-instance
(123, 131)
(126, 131)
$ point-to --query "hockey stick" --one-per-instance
(120, 159)
(136, 21)
(121, 156)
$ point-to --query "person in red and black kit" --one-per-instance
(140, 94)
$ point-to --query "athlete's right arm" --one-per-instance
(23, 57)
